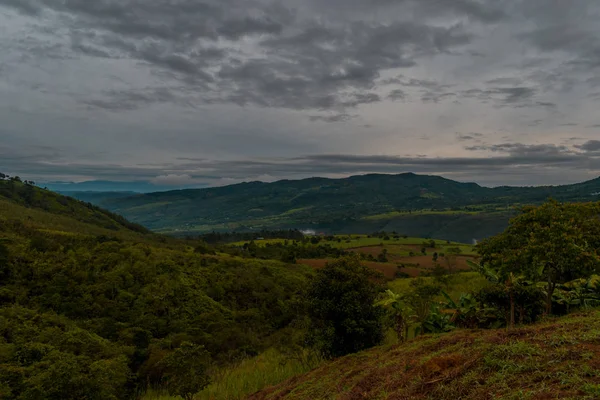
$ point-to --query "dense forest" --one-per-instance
(92, 307)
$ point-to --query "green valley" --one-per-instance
(416, 205)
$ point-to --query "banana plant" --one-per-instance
(583, 293)
(402, 313)
(509, 281)
(437, 321)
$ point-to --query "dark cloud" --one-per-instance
(516, 97)
(397, 94)
(332, 118)
(177, 78)
(505, 81)
(475, 136)
(590, 145)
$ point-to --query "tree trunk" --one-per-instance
(400, 331)
(512, 310)
(550, 292)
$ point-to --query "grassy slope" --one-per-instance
(28, 203)
(559, 358)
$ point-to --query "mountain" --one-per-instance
(111, 186)
(417, 205)
(556, 359)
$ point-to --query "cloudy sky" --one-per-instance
(188, 92)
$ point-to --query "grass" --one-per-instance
(400, 214)
(558, 358)
(249, 376)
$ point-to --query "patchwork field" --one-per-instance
(395, 256)
(392, 255)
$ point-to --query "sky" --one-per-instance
(213, 92)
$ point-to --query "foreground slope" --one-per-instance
(556, 359)
(417, 205)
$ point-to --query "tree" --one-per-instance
(554, 243)
(185, 370)
(450, 256)
(343, 317)
(508, 280)
(382, 257)
(400, 311)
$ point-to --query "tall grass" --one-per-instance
(249, 376)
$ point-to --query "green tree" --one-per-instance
(185, 370)
(400, 311)
(554, 243)
(382, 257)
(451, 256)
(343, 317)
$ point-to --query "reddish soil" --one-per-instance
(387, 269)
(427, 262)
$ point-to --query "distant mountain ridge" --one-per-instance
(421, 205)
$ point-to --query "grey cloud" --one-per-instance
(116, 100)
(525, 161)
(518, 97)
(331, 118)
(469, 136)
(505, 81)
(533, 152)
(397, 94)
(301, 74)
(590, 145)
(29, 7)
(500, 67)
(436, 97)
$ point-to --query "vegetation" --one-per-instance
(554, 243)
(343, 318)
(547, 253)
(91, 308)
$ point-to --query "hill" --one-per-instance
(416, 205)
(95, 307)
(555, 359)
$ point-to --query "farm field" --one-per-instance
(393, 255)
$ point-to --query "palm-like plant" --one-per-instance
(509, 282)
(401, 312)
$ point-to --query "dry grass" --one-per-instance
(555, 359)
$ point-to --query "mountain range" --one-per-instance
(416, 205)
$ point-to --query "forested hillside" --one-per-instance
(416, 205)
(93, 307)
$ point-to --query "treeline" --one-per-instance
(230, 237)
(288, 251)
